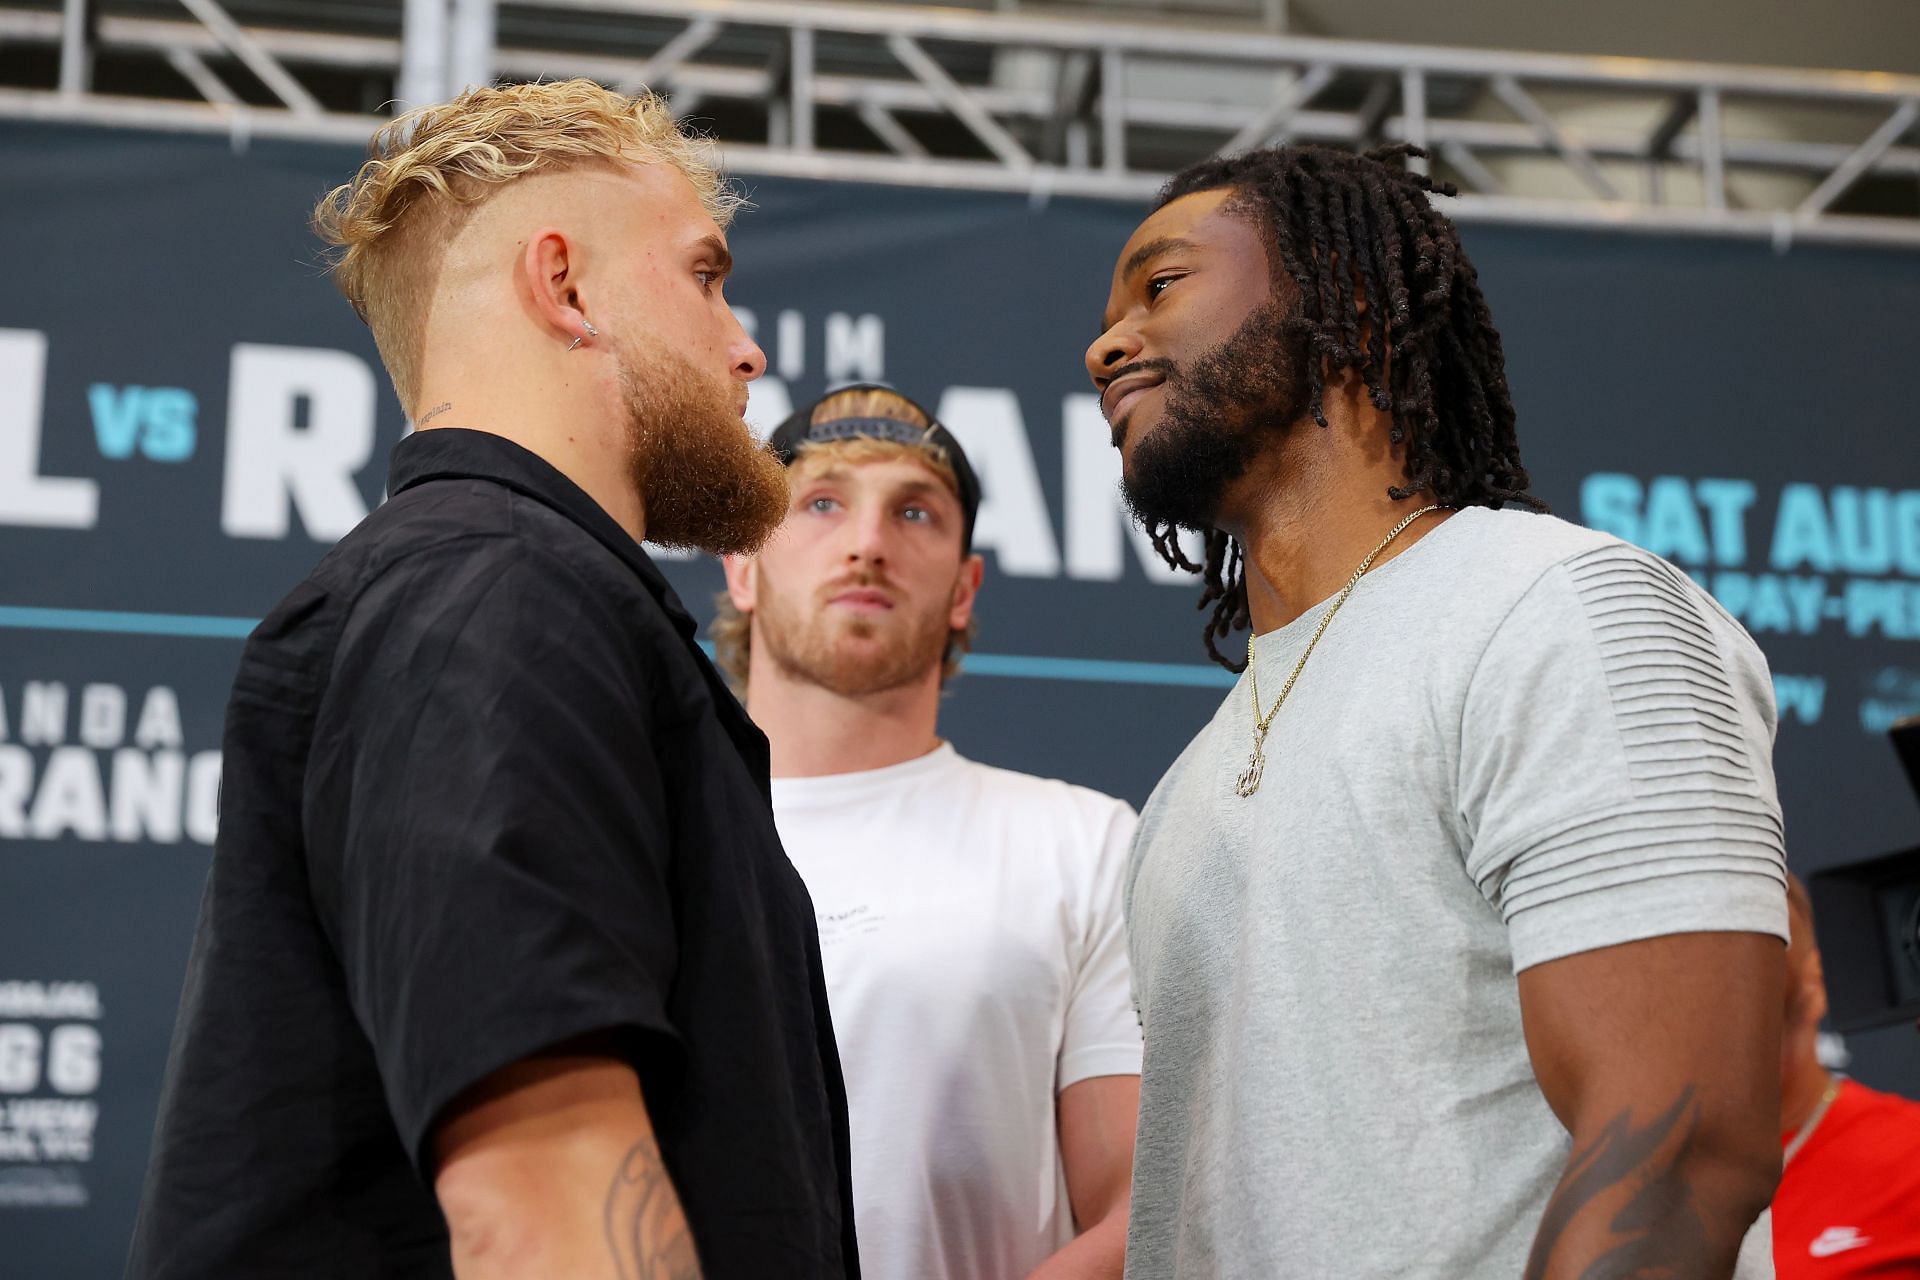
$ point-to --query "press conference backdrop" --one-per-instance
(189, 416)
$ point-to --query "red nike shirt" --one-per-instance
(1849, 1202)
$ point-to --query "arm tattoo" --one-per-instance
(433, 413)
(646, 1228)
(1656, 1229)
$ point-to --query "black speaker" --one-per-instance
(1868, 918)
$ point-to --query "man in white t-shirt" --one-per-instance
(970, 917)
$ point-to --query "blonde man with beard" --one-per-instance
(501, 971)
(969, 917)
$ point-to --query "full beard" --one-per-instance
(812, 646)
(706, 482)
(1221, 413)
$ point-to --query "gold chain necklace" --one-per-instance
(1813, 1119)
(1249, 780)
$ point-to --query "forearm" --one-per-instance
(646, 1228)
(553, 1171)
(1650, 1194)
(1098, 1253)
(616, 1218)
(1097, 1117)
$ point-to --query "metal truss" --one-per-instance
(1009, 101)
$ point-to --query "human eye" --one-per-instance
(822, 504)
(916, 515)
(1157, 285)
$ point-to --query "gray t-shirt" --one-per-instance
(1518, 740)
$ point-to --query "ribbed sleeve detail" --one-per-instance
(1701, 810)
(1672, 700)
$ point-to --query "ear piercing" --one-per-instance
(591, 333)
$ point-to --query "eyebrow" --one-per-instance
(722, 256)
(1152, 249)
(915, 488)
(839, 473)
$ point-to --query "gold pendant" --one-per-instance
(1249, 780)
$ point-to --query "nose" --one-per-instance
(1109, 351)
(867, 536)
(749, 361)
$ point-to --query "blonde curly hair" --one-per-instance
(427, 169)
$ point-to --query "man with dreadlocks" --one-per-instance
(1457, 933)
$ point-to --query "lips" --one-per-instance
(865, 599)
(1121, 392)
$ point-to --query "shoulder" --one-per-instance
(454, 520)
(1518, 537)
(1029, 789)
(1073, 815)
(459, 584)
(1519, 549)
(1877, 1130)
(1888, 1113)
(1543, 573)
(407, 546)
(1485, 568)
(420, 519)
(472, 547)
(1499, 557)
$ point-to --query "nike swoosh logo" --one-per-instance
(1837, 1240)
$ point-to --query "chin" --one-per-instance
(1139, 435)
(1129, 451)
(856, 630)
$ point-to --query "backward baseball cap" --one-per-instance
(800, 429)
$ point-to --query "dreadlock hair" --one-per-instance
(1348, 227)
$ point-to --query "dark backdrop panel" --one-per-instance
(189, 415)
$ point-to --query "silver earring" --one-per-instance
(588, 326)
(576, 342)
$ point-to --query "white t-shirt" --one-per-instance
(976, 964)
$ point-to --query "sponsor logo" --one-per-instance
(1837, 1240)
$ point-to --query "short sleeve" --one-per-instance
(1102, 1034)
(486, 832)
(1615, 771)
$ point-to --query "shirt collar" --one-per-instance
(457, 452)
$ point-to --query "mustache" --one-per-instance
(1168, 371)
(855, 581)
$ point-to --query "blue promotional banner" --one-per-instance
(190, 415)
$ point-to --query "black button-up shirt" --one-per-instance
(483, 794)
